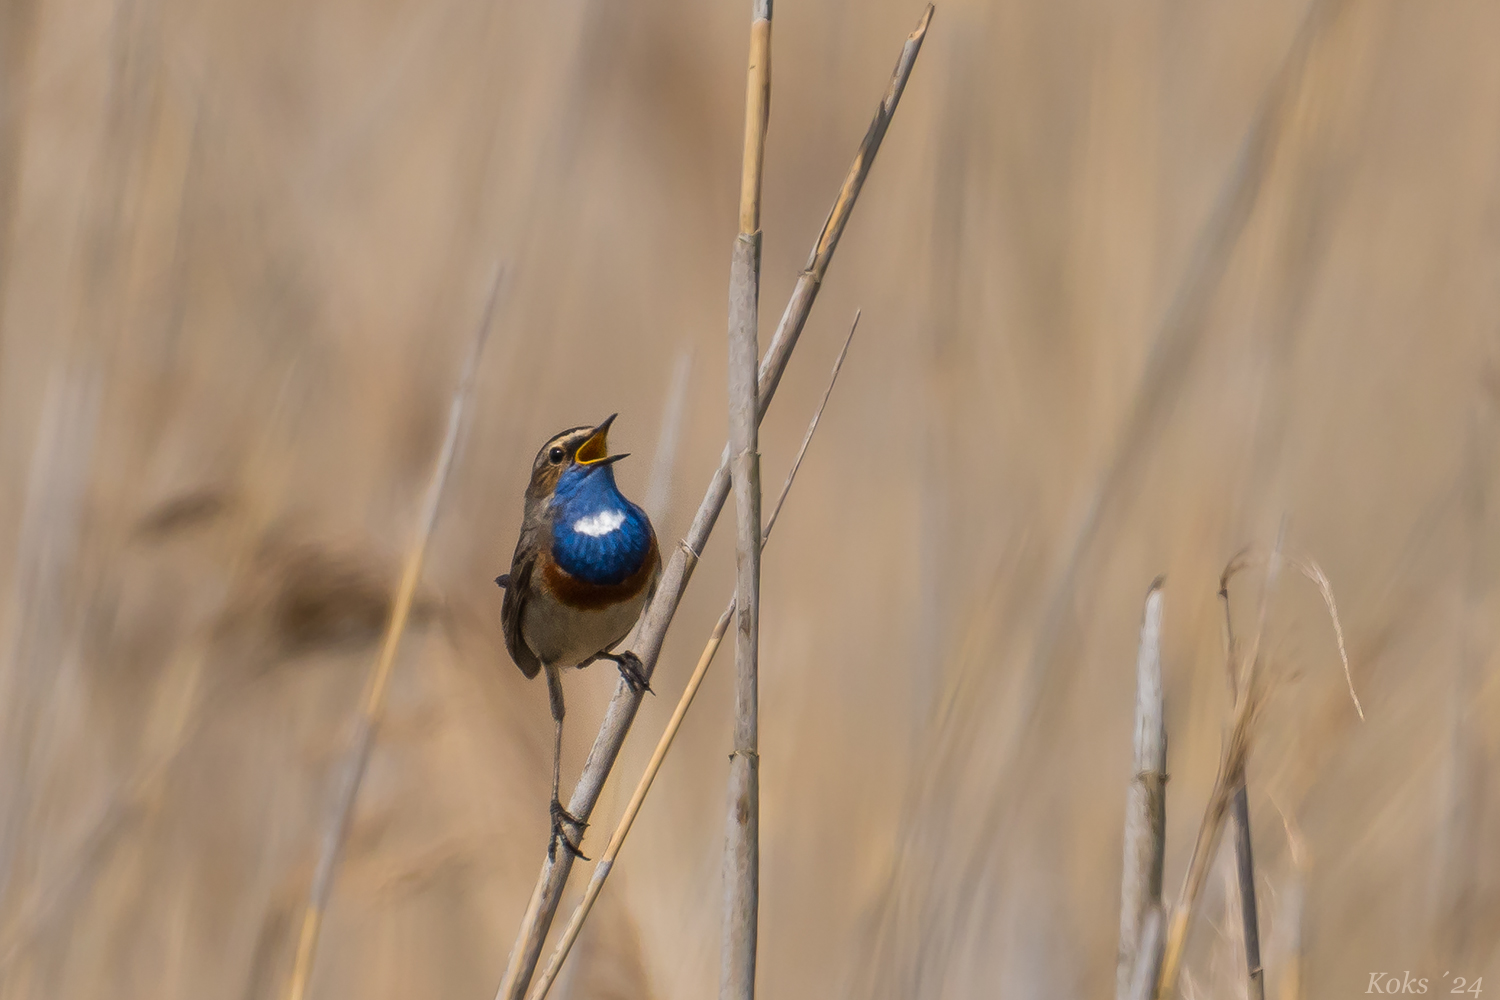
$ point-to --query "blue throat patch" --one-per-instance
(597, 535)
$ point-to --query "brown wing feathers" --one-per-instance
(517, 582)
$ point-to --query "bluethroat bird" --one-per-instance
(586, 564)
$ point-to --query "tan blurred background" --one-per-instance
(243, 247)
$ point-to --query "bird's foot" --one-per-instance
(561, 821)
(634, 672)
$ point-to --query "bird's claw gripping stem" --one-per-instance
(561, 821)
(634, 672)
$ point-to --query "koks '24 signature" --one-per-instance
(1386, 983)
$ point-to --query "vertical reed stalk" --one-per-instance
(632, 809)
(742, 822)
(1145, 805)
(679, 569)
(1244, 858)
(1148, 956)
(1174, 351)
(1230, 776)
(380, 675)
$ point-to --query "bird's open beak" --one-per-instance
(595, 451)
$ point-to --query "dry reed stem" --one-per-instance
(380, 674)
(658, 615)
(1314, 572)
(1169, 361)
(1231, 770)
(1244, 856)
(1310, 569)
(757, 115)
(606, 861)
(1187, 317)
(1147, 958)
(1244, 866)
(741, 862)
(1145, 803)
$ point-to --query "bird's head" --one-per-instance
(575, 454)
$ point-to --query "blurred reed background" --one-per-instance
(244, 247)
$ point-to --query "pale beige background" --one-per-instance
(245, 245)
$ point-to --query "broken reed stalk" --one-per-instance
(1174, 351)
(1145, 804)
(1231, 768)
(679, 569)
(606, 861)
(742, 820)
(375, 689)
(1244, 857)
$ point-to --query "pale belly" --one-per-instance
(567, 637)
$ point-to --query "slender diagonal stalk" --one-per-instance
(679, 569)
(742, 819)
(1145, 805)
(606, 861)
(380, 674)
(1231, 767)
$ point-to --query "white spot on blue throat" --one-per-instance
(599, 536)
(599, 524)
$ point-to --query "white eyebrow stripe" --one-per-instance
(599, 524)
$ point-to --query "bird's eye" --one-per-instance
(556, 456)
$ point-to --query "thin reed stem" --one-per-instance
(1244, 857)
(606, 862)
(380, 675)
(1244, 866)
(679, 569)
(1230, 776)
(1173, 354)
(742, 820)
(1145, 804)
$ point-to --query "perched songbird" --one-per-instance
(586, 564)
